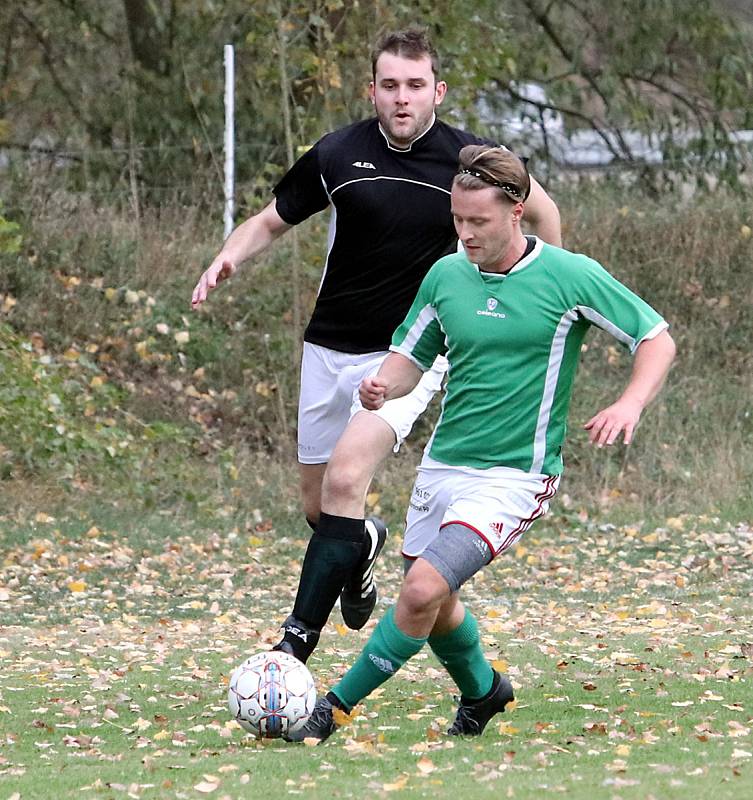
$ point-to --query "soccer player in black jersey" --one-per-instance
(387, 182)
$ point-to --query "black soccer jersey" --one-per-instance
(390, 222)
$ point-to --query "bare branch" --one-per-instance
(626, 153)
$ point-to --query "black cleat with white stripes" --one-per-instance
(359, 596)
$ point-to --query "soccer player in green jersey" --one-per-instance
(510, 314)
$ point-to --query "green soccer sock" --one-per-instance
(459, 651)
(385, 652)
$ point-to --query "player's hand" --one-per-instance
(372, 392)
(609, 423)
(219, 270)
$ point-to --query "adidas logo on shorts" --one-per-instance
(497, 527)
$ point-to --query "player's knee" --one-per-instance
(421, 593)
(345, 479)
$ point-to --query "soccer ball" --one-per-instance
(271, 694)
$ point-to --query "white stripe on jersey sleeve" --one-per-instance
(602, 322)
(424, 318)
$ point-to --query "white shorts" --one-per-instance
(499, 504)
(329, 398)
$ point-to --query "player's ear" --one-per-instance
(371, 92)
(440, 90)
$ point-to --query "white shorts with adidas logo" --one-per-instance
(499, 504)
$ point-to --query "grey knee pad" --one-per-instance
(457, 554)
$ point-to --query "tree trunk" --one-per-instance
(147, 33)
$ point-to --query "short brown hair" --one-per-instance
(482, 165)
(413, 43)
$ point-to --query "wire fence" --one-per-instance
(124, 171)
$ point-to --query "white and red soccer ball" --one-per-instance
(271, 694)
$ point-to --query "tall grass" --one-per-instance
(100, 279)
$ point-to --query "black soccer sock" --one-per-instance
(298, 639)
(337, 702)
(333, 551)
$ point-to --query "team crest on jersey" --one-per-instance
(489, 311)
(497, 527)
(364, 164)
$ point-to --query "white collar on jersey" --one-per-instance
(407, 149)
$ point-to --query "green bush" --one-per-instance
(62, 418)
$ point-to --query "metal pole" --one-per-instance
(229, 137)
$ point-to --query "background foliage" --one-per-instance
(110, 127)
(132, 90)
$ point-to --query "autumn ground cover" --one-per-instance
(629, 646)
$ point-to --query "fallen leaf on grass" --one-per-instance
(425, 766)
(736, 729)
(341, 718)
(599, 728)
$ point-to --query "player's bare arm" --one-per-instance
(248, 240)
(397, 376)
(542, 216)
(653, 359)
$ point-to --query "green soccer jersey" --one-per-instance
(513, 343)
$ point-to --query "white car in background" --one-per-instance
(524, 120)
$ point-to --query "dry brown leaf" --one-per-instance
(397, 786)
(425, 766)
(341, 717)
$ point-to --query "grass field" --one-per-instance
(631, 649)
